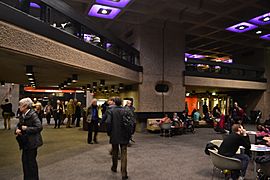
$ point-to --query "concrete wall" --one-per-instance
(224, 83)
(156, 70)
(36, 45)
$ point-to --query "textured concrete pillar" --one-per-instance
(153, 41)
(10, 92)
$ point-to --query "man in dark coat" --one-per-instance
(29, 138)
(93, 122)
(118, 136)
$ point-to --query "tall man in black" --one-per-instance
(29, 138)
(118, 137)
(231, 144)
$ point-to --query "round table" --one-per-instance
(257, 148)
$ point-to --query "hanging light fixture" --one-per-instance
(102, 83)
(94, 85)
(29, 70)
(74, 78)
(88, 86)
(69, 81)
(2, 83)
(31, 78)
(121, 86)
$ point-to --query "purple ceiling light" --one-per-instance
(261, 20)
(103, 11)
(241, 27)
(116, 3)
(266, 37)
(195, 56)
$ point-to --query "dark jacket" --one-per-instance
(116, 130)
(7, 107)
(94, 118)
(31, 137)
(231, 144)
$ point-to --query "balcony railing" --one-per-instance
(210, 69)
(58, 21)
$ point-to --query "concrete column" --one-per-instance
(167, 38)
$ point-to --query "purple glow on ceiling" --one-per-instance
(241, 27)
(32, 4)
(195, 56)
(261, 20)
(103, 11)
(116, 3)
(266, 37)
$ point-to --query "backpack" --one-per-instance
(128, 122)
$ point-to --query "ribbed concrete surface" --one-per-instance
(65, 155)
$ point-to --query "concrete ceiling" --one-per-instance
(204, 20)
(47, 73)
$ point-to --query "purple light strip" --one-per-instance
(247, 27)
(266, 37)
(96, 8)
(260, 19)
(119, 3)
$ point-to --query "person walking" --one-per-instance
(29, 138)
(118, 136)
(58, 116)
(78, 114)
(7, 111)
(93, 123)
(70, 112)
(48, 112)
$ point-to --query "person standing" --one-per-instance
(48, 112)
(29, 138)
(118, 136)
(7, 111)
(231, 144)
(70, 112)
(75, 103)
(92, 120)
(78, 114)
(58, 114)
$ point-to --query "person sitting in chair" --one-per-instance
(231, 144)
(166, 119)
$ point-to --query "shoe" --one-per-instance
(124, 177)
(90, 143)
(113, 170)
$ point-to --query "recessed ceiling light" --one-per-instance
(241, 27)
(104, 11)
(266, 19)
(258, 32)
(261, 20)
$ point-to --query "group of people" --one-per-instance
(119, 119)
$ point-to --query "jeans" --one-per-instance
(58, 120)
(115, 151)
(30, 167)
(244, 161)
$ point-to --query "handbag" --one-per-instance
(89, 118)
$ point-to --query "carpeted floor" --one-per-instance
(65, 155)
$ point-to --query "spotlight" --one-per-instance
(102, 83)
(65, 83)
(29, 70)
(88, 86)
(106, 89)
(258, 32)
(2, 83)
(94, 85)
(112, 87)
(74, 78)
